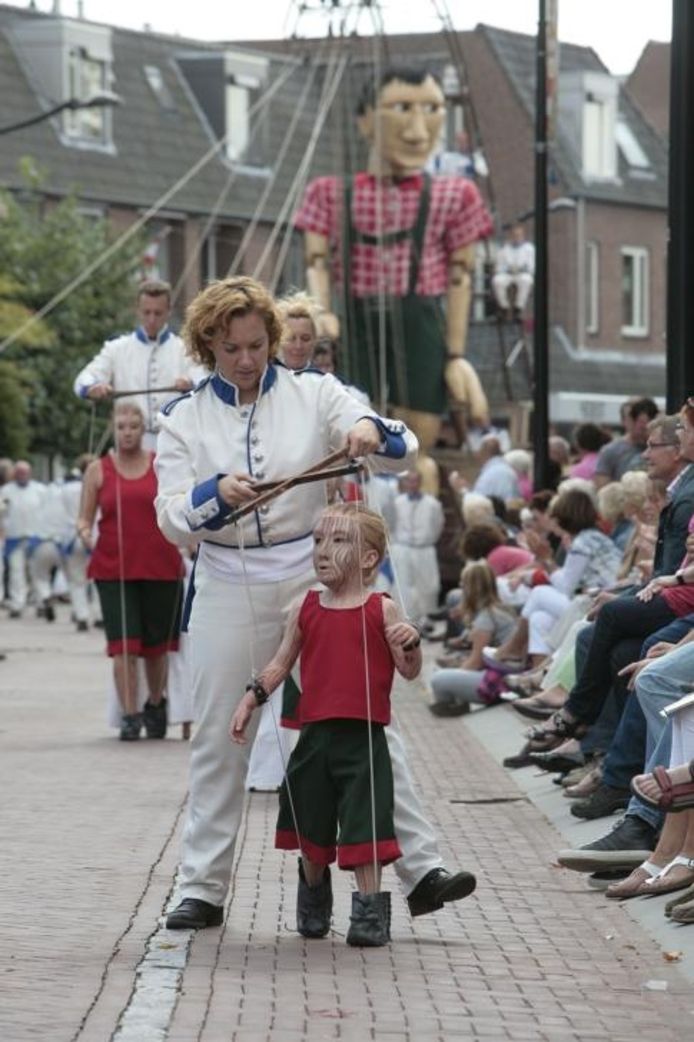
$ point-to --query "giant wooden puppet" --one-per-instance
(396, 246)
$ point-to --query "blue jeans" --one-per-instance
(659, 684)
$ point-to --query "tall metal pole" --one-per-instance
(680, 298)
(541, 342)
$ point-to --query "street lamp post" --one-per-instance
(540, 332)
(102, 99)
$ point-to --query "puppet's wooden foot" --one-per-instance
(465, 389)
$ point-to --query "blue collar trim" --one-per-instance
(228, 391)
(163, 336)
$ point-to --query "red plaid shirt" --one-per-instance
(457, 217)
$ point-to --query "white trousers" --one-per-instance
(229, 638)
(17, 587)
(75, 567)
(272, 747)
(542, 609)
(523, 283)
(682, 737)
(417, 578)
(44, 559)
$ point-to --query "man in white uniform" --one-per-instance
(418, 525)
(24, 504)
(150, 357)
(515, 266)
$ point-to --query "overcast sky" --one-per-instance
(616, 29)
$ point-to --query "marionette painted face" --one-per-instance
(341, 557)
(241, 353)
(153, 313)
(404, 128)
(300, 341)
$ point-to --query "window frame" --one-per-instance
(640, 310)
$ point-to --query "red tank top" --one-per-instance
(141, 551)
(333, 662)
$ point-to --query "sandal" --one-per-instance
(660, 885)
(542, 739)
(672, 797)
(634, 884)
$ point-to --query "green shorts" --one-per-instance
(329, 781)
(141, 616)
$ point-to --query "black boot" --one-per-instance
(130, 727)
(369, 923)
(154, 718)
(314, 905)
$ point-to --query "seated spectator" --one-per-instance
(486, 542)
(496, 477)
(488, 623)
(625, 453)
(592, 561)
(611, 499)
(588, 439)
(522, 463)
(514, 267)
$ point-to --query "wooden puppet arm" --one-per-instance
(461, 379)
(403, 641)
(318, 280)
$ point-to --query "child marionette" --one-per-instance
(337, 797)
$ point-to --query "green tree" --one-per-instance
(43, 247)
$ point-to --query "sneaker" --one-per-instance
(605, 800)
(449, 708)
(631, 842)
(155, 719)
(82, 625)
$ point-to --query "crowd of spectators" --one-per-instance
(576, 606)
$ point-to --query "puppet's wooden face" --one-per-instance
(404, 128)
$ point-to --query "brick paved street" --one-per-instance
(90, 831)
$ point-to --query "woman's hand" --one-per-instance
(236, 488)
(364, 439)
(241, 718)
(457, 483)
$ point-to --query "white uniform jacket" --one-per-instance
(297, 419)
(24, 505)
(514, 258)
(132, 362)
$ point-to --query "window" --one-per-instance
(155, 79)
(635, 291)
(599, 153)
(238, 126)
(630, 148)
(592, 287)
(86, 76)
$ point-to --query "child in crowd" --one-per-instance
(489, 623)
(339, 787)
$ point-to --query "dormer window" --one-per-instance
(86, 77)
(67, 60)
(588, 107)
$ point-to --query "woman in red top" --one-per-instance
(137, 572)
(351, 641)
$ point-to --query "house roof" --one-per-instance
(649, 86)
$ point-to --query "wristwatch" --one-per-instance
(261, 695)
(679, 578)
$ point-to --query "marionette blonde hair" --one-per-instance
(372, 530)
(129, 407)
(213, 309)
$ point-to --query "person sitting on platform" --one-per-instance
(515, 266)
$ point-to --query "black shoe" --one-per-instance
(556, 762)
(449, 708)
(605, 800)
(601, 880)
(369, 923)
(82, 625)
(314, 905)
(193, 914)
(154, 719)
(437, 888)
(48, 612)
(130, 726)
(630, 842)
(14, 614)
(521, 759)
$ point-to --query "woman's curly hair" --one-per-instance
(216, 305)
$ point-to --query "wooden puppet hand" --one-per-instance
(241, 718)
(403, 635)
